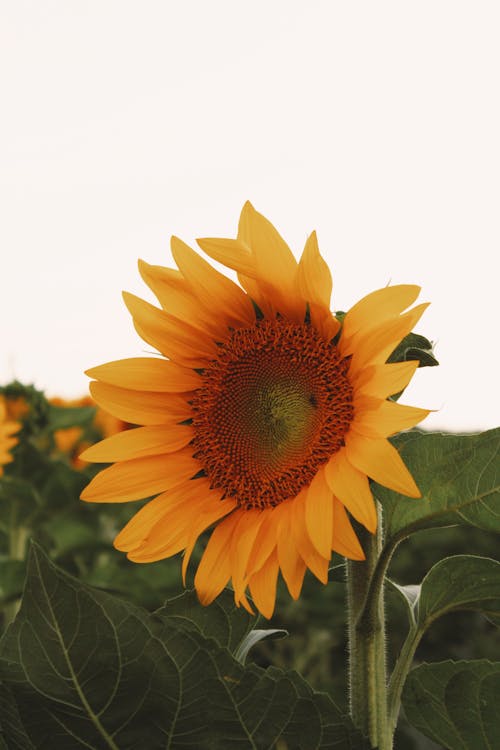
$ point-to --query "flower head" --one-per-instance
(8, 429)
(262, 420)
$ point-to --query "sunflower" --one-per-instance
(8, 428)
(72, 440)
(263, 419)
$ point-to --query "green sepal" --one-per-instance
(415, 347)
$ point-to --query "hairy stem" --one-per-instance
(367, 665)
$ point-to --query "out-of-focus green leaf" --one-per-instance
(62, 417)
(456, 703)
(88, 670)
(460, 582)
(12, 573)
(19, 501)
(71, 534)
(458, 476)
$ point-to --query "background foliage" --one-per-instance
(93, 585)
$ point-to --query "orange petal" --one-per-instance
(316, 563)
(146, 374)
(262, 586)
(213, 290)
(140, 477)
(234, 254)
(385, 380)
(140, 407)
(170, 336)
(241, 546)
(137, 529)
(374, 345)
(212, 511)
(345, 541)
(387, 419)
(141, 441)
(266, 539)
(314, 277)
(379, 306)
(214, 570)
(319, 513)
(176, 297)
(352, 489)
(381, 461)
(292, 566)
(178, 529)
(276, 267)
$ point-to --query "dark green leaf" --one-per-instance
(88, 670)
(415, 347)
(456, 703)
(11, 725)
(460, 582)
(223, 620)
(458, 476)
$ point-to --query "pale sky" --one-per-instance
(375, 123)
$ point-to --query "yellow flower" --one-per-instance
(8, 428)
(70, 440)
(263, 419)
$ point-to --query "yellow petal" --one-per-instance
(146, 374)
(345, 541)
(262, 586)
(351, 487)
(374, 345)
(276, 267)
(385, 380)
(316, 563)
(212, 512)
(234, 254)
(170, 336)
(141, 441)
(292, 566)
(175, 531)
(319, 514)
(214, 570)
(140, 407)
(379, 306)
(387, 419)
(137, 529)
(377, 458)
(176, 298)
(241, 546)
(213, 290)
(314, 277)
(140, 477)
(265, 541)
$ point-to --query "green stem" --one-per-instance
(367, 650)
(399, 675)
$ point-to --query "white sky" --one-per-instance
(375, 123)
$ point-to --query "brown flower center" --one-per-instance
(274, 406)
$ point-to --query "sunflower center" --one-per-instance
(274, 406)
